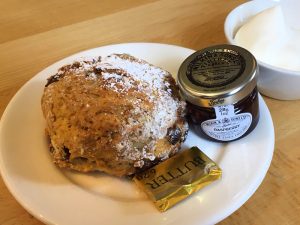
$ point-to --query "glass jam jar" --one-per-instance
(219, 84)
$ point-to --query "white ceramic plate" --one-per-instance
(66, 198)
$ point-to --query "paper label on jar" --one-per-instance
(227, 126)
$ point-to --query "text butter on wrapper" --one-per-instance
(178, 177)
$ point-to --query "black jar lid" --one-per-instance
(218, 75)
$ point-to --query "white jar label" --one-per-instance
(227, 126)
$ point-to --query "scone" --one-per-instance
(117, 114)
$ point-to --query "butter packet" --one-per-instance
(178, 177)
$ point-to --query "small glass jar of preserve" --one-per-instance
(219, 84)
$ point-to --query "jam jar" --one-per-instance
(219, 84)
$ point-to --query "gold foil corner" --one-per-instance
(178, 177)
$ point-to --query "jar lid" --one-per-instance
(218, 75)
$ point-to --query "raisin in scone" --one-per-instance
(117, 114)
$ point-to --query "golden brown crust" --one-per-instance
(114, 115)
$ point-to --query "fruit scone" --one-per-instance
(117, 114)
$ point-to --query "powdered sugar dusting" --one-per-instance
(121, 73)
(152, 81)
(139, 70)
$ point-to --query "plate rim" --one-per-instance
(10, 186)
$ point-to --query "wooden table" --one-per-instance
(35, 34)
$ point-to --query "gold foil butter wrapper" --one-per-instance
(178, 177)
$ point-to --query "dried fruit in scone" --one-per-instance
(117, 114)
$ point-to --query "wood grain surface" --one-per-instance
(34, 34)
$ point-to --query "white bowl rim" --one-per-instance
(231, 41)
